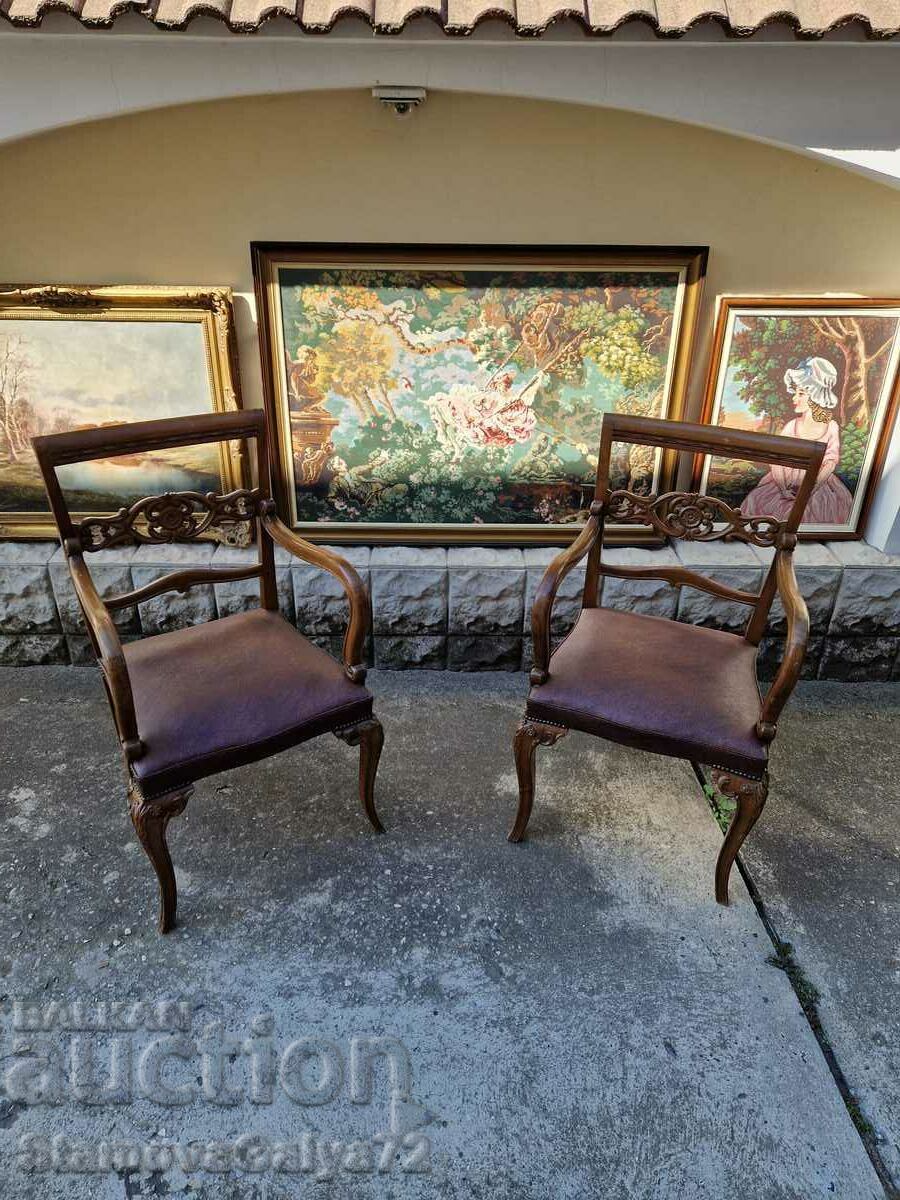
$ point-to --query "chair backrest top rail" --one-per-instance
(84, 445)
(709, 439)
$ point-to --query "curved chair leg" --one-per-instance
(369, 736)
(150, 819)
(750, 796)
(529, 735)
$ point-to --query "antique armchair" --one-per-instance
(662, 685)
(204, 699)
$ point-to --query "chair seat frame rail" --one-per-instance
(186, 517)
(691, 517)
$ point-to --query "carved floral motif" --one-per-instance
(172, 517)
(53, 297)
(693, 517)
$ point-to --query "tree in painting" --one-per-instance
(818, 375)
(58, 375)
(468, 397)
(766, 347)
(17, 416)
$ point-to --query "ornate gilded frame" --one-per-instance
(726, 308)
(210, 307)
(269, 257)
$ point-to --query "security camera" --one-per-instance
(401, 99)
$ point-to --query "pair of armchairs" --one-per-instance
(200, 700)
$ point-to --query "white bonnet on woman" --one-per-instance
(817, 377)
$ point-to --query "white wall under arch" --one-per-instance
(835, 98)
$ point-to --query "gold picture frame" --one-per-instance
(157, 348)
(328, 312)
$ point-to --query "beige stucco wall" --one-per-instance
(176, 196)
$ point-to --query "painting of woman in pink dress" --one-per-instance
(811, 386)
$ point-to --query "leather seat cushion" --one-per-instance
(232, 691)
(658, 685)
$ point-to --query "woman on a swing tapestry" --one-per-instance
(463, 389)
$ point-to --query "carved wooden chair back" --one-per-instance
(186, 517)
(636, 698)
(179, 741)
(172, 516)
(689, 516)
(154, 520)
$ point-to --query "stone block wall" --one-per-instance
(466, 608)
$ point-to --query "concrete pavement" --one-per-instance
(573, 1017)
(826, 859)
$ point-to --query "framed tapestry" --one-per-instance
(76, 357)
(823, 369)
(455, 393)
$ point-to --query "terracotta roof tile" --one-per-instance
(248, 14)
(393, 14)
(464, 15)
(669, 18)
(674, 16)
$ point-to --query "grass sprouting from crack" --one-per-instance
(723, 808)
(808, 995)
(807, 992)
(862, 1123)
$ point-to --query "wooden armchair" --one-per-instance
(661, 685)
(200, 700)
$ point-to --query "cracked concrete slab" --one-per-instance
(580, 1018)
(826, 857)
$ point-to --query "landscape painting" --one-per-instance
(455, 396)
(72, 368)
(826, 371)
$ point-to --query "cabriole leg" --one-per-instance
(529, 735)
(369, 736)
(749, 796)
(150, 819)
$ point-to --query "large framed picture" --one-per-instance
(455, 393)
(824, 369)
(76, 357)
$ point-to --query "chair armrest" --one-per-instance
(346, 575)
(108, 645)
(795, 646)
(542, 608)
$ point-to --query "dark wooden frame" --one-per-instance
(725, 306)
(692, 517)
(268, 256)
(185, 516)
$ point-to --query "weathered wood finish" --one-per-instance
(179, 581)
(185, 517)
(548, 587)
(357, 596)
(151, 820)
(691, 517)
(172, 517)
(529, 735)
(369, 736)
(749, 796)
(788, 672)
